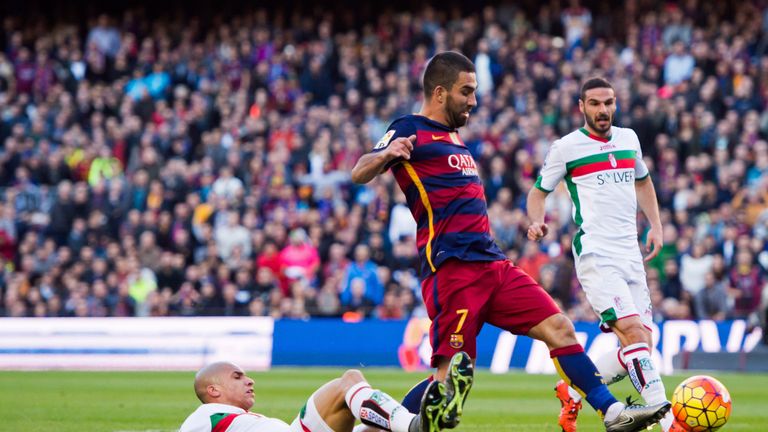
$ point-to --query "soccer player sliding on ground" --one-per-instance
(227, 395)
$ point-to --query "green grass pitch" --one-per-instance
(159, 401)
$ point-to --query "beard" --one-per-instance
(592, 122)
(455, 114)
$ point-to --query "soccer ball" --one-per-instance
(701, 404)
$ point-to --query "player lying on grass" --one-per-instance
(227, 395)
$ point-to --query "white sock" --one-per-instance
(613, 411)
(383, 411)
(574, 394)
(667, 421)
(400, 417)
(610, 366)
(645, 378)
(356, 395)
(644, 375)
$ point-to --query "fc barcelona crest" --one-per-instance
(457, 341)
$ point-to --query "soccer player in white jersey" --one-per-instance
(227, 395)
(603, 169)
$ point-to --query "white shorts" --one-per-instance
(309, 419)
(615, 287)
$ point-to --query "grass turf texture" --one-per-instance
(159, 401)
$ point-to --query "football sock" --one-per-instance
(643, 374)
(412, 399)
(611, 367)
(613, 411)
(579, 372)
(645, 377)
(375, 408)
(667, 421)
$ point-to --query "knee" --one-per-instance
(335, 391)
(349, 378)
(563, 323)
(558, 332)
(563, 327)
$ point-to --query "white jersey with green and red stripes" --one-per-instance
(214, 417)
(600, 174)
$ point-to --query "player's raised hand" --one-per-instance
(654, 241)
(401, 147)
(537, 231)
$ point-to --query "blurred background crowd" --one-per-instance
(181, 164)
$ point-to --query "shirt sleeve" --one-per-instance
(398, 128)
(641, 169)
(552, 171)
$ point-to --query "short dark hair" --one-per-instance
(594, 83)
(444, 69)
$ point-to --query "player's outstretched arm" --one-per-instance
(646, 198)
(372, 164)
(535, 205)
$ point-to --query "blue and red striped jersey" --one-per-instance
(444, 193)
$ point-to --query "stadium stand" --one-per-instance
(197, 165)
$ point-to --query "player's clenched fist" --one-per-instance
(400, 147)
(537, 231)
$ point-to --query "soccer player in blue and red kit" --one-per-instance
(466, 280)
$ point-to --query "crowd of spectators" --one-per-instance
(200, 165)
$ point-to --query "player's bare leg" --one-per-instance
(343, 400)
(330, 403)
(556, 331)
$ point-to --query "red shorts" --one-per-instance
(463, 295)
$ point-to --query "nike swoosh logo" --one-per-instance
(627, 421)
(437, 137)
